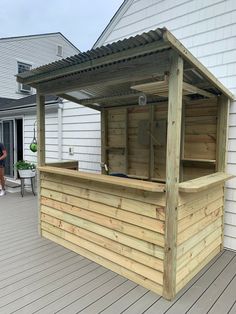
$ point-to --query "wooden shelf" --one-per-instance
(204, 183)
(158, 180)
(105, 179)
(115, 147)
(209, 161)
(137, 177)
(161, 88)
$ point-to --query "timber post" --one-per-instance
(172, 172)
(40, 103)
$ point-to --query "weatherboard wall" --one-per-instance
(80, 131)
(207, 28)
(33, 50)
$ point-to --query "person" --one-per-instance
(3, 155)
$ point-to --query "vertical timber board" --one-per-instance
(151, 149)
(104, 135)
(181, 174)
(222, 133)
(40, 101)
(126, 142)
(172, 172)
(222, 142)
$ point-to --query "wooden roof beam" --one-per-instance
(145, 67)
(78, 101)
(199, 67)
(108, 99)
(195, 90)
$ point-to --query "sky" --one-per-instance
(81, 21)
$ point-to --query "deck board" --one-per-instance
(38, 276)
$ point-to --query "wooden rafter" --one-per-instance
(109, 99)
(133, 70)
(78, 101)
(160, 88)
(176, 44)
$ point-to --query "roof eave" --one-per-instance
(186, 54)
(116, 57)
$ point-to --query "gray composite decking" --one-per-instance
(38, 276)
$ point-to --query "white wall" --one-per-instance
(208, 29)
(36, 50)
(80, 131)
(51, 128)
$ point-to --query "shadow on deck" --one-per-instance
(38, 276)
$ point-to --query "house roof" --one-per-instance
(36, 36)
(4, 101)
(58, 76)
(25, 102)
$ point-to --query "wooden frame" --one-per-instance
(163, 222)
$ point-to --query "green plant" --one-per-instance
(25, 165)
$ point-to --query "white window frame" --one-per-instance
(21, 88)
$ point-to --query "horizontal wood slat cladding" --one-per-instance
(199, 140)
(123, 228)
(200, 230)
(200, 132)
(149, 284)
(110, 226)
(141, 203)
(102, 249)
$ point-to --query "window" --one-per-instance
(22, 67)
(59, 51)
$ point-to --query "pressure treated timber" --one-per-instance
(176, 45)
(222, 131)
(67, 164)
(123, 203)
(222, 141)
(158, 235)
(204, 183)
(104, 140)
(135, 198)
(172, 173)
(136, 184)
(40, 100)
(198, 140)
(160, 88)
(40, 107)
(118, 74)
(45, 277)
(117, 231)
(124, 228)
(199, 231)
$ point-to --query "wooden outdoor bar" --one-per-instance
(156, 213)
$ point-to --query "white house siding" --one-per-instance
(208, 29)
(51, 131)
(81, 132)
(34, 50)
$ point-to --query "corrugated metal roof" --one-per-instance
(94, 54)
(121, 51)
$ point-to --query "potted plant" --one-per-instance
(25, 168)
